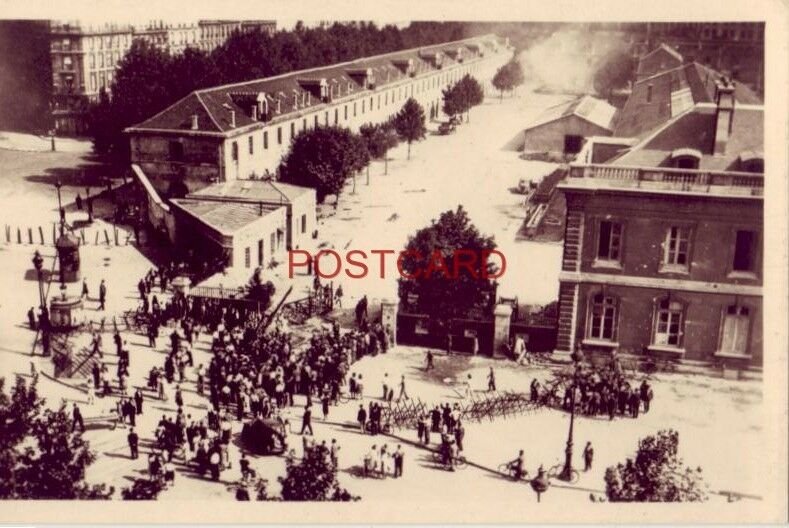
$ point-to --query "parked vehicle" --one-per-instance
(446, 128)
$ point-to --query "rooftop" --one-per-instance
(656, 99)
(224, 217)
(695, 129)
(595, 111)
(285, 94)
(252, 190)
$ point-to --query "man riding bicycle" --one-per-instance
(516, 467)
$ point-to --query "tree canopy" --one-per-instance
(460, 97)
(323, 158)
(508, 77)
(657, 474)
(260, 291)
(313, 478)
(410, 123)
(379, 138)
(440, 295)
(40, 458)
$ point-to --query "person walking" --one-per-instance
(85, 291)
(460, 434)
(134, 442)
(138, 399)
(361, 417)
(429, 361)
(403, 394)
(646, 395)
(102, 295)
(306, 420)
(31, 318)
(325, 405)
(77, 419)
(588, 456)
(334, 451)
(491, 381)
(338, 296)
(398, 461)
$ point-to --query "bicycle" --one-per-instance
(558, 469)
(508, 469)
(459, 462)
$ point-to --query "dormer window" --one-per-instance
(751, 161)
(686, 158)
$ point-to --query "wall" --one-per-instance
(304, 204)
(199, 166)
(549, 137)
(262, 229)
(703, 319)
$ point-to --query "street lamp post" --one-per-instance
(567, 472)
(62, 211)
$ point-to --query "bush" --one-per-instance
(143, 489)
(656, 475)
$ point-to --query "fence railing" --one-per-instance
(673, 179)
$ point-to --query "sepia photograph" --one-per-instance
(450, 268)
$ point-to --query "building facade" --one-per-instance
(85, 58)
(663, 241)
(242, 131)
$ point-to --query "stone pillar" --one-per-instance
(389, 319)
(501, 329)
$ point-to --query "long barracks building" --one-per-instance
(242, 131)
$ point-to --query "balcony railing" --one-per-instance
(668, 179)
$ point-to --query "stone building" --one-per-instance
(663, 243)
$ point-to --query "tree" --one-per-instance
(361, 159)
(379, 140)
(440, 295)
(656, 475)
(322, 158)
(40, 458)
(471, 93)
(616, 69)
(313, 478)
(260, 291)
(453, 103)
(143, 489)
(410, 123)
(508, 77)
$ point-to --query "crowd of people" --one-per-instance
(596, 391)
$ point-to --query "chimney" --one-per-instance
(232, 119)
(195, 122)
(724, 115)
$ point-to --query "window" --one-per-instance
(265, 140)
(67, 63)
(602, 318)
(649, 93)
(345, 112)
(176, 151)
(260, 252)
(316, 121)
(686, 162)
(251, 144)
(303, 223)
(363, 106)
(336, 116)
(234, 150)
(675, 247)
(371, 104)
(609, 243)
(354, 109)
(101, 60)
(93, 82)
(271, 245)
(669, 317)
(379, 101)
(247, 257)
(572, 144)
(279, 134)
(292, 130)
(745, 251)
(92, 60)
(734, 330)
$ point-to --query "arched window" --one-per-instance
(752, 162)
(686, 158)
(669, 323)
(603, 317)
